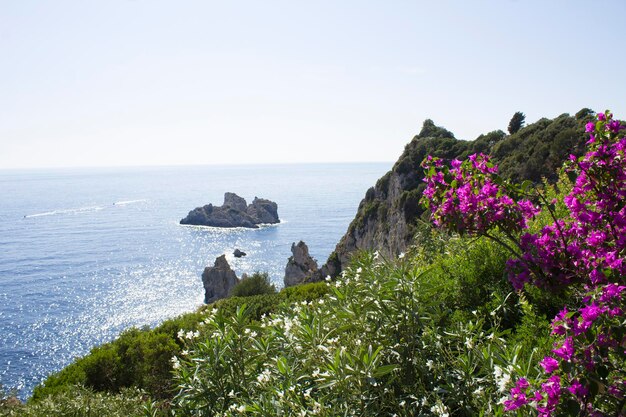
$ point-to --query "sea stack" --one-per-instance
(300, 266)
(218, 280)
(235, 212)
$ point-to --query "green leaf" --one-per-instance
(384, 370)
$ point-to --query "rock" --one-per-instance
(234, 213)
(238, 253)
(265, 211)
(300, 266)
(234, 201)
(218, 280)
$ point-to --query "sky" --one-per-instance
(151, 82)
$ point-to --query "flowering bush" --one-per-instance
(583, 250)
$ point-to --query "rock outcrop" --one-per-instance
(218, 280)
(300, 266)
(235, 212)
(238, 254)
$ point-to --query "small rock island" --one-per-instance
(235, 212)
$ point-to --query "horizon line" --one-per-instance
(222, 164)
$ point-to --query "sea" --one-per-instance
(88, 253)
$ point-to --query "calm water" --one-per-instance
(85, 254)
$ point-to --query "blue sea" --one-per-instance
(87, 253)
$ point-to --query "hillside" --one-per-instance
(389, 215)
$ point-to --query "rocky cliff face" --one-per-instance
(218, 280)
(235, 212)
(389, 216)
(300, 265)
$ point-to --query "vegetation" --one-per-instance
(79, 401)
(580, 250)
(256, 284)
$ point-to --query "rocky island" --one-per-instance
(235, 212)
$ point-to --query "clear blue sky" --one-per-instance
(148, 82)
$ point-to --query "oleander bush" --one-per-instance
(391, 337)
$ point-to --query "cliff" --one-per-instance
(388, 216)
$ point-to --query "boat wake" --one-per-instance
(66, 211)
(127, 202)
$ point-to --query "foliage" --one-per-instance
(256, 284)
(583, 248)
(79, 401)
(391, 337)
(516, 123)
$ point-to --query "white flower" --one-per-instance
(430, 365)
(181, 334)
(502, 378)
(401, 255)
(439, 409)
(376, 255)
(328, 278)
(185, 352)
(175, 362)
(264, 376)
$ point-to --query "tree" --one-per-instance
(517, 121)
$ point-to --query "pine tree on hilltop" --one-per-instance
(516, 123)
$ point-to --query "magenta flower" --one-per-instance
(614, 126)
(577, 389)
(566, 351)
(549, 364)
(590, 127)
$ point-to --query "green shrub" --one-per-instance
(304, 292)
(258, 305)
(256, 284)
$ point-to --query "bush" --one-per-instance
(257, 284)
